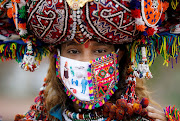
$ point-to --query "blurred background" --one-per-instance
(18, 88)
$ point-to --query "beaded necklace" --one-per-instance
(83, 116)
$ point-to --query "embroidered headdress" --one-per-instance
(29, 28)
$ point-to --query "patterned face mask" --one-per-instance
(92, 83)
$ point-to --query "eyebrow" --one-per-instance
(72, 43)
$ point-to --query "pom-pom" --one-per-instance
(136, 13)
(137, 108)
(17, 1)
(112, 115)
(113, 109)
(140, 28)
(139, 21)
(162, 17)
(144, 102)
(144, 112)
(107, 106)
(22, 25)
(165, 6)
(121, 103)
(150, 31)
(120, 113)
(105, 114)
(9, 13)
(129, 110)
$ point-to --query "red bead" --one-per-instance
(121, 103)
(119, 113)
(137, 108)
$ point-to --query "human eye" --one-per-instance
(73, 51)
(100, 51)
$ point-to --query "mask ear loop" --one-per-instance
(59, 53)
(58, 64)
(117, 51)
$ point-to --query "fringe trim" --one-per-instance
(16, 51)
(164, 44)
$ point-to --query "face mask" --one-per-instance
(92, 83)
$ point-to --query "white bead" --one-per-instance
(84, 33)
(82, 29)
(78, 16)
(81, 26)
(87, 35)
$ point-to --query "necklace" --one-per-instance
(98, 116)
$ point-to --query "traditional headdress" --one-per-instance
(28, 28)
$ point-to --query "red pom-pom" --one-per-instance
(105, 114)
(112, 115)
(150, 31)
(113, 109)
(119, 113)
(121, 103)
(136, 13)
(162, 17)
(137, 108)
(144, 102)
(107, 106)
(129, 110)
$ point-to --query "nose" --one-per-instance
(87, 56)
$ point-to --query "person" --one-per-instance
(95, 50)
(96, 44)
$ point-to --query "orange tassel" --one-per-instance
(140, 28)
(22, 25)
(9, 13)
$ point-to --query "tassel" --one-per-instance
(74, 99)
(77, 101)
(87, 106)
(29, 63)
(90, 107)
(97, 105)
(100, 103)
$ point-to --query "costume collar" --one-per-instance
(56, 112)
